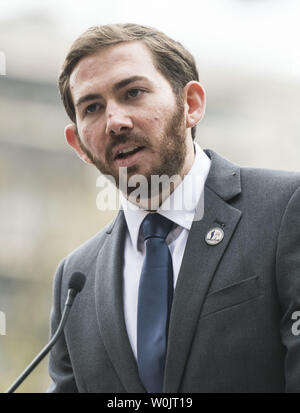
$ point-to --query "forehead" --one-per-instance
(112, 64)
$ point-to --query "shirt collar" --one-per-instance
(180, 206)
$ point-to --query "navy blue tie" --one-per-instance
(154, 302)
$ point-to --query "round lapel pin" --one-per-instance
(214, 236)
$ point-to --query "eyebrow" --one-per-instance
(117, 86)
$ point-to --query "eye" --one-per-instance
(92, 108)
(134, 93)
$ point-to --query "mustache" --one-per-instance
(132, 138)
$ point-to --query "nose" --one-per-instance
(117, 120)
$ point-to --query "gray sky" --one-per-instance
(262, 35)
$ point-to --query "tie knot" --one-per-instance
(155, 226)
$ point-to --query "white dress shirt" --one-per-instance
(174, 208)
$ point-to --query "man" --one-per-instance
(220, 317)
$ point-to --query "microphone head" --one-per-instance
(77, 281)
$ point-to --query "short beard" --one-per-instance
(172, 156)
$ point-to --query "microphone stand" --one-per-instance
(70, 298)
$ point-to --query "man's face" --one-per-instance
(127, 114)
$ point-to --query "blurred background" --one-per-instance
(248, 57)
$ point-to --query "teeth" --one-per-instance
(127, 150)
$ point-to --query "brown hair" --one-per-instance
(171, 59)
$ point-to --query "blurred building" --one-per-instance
(47, 196)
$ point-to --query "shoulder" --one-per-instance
(270, 187)
(251, 183)
(271, 178)
(84, 257)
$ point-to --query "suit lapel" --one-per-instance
(199, 264)
(109, 305)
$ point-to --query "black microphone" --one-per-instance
(76, 284)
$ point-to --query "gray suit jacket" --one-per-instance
(231, 319)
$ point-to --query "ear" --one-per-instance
(73, 140)
(195, 100)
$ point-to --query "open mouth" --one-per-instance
(126, 153)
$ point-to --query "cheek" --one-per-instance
(88, 138)
(155, 120)
(83, 133)
(151, 127)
